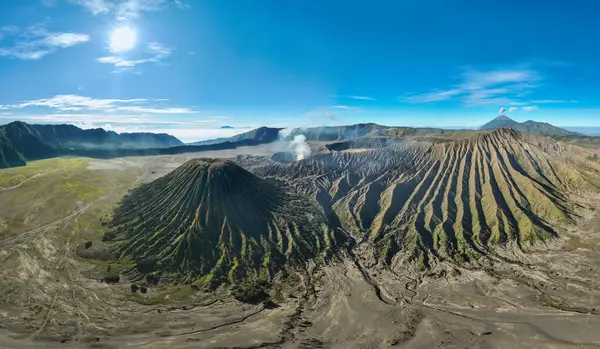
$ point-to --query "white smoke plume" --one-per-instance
(285, 133)
(502, 111)
(300, 147)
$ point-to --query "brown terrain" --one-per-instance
(479, 240)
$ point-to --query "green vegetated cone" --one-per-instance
(210, 221)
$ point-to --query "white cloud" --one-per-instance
(343, 107)
(547, 101)
(530, 108)
(131, 9)
(363, 98)
(120, 62)
(79, 103)
(157, 51)
(126, 10)
(100, 117)
(64, 40)
(513, 109)
(484, 88)
(95, 7)
(155, 110)
(23, 54)
(68, 102)
(477, 79)
(36, 42)
(432, 96)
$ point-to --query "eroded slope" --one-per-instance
(425, 200)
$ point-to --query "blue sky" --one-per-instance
(190, 67)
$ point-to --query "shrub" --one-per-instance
(252, 291)
(146, 265)
(112, 278)
(152, 279)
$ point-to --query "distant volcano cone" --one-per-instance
(212, 219)
(502, 117)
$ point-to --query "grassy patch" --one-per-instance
(60, 194)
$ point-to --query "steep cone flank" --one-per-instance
(502, 118)
(213, 219)
(452, 200)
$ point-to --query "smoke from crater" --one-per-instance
(300, 147)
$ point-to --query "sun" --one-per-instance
(122, 39)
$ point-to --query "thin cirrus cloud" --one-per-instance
(343, 107)
(548, 101)
(35, 42)
(157, 52)
(528, 108)
(485, 88)
(125, 10)
(69, 103)
(95, 117)
(362, 98)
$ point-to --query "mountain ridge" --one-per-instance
(20, 142)
(262, 134)
(529, 126)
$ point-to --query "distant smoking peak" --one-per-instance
(502, 111)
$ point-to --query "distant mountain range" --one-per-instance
(20, 142)
(322, 133)
(371, 131)
(262, 134)
(542, 128)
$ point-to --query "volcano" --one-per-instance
(431, 200)
(530, 126)
(212, 221)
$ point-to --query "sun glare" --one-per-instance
(122, 39)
